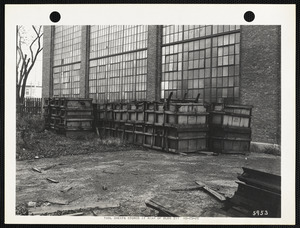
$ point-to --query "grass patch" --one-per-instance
(33, 140)
(266, 148)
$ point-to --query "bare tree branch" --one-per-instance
(25, 64)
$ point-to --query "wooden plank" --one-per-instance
(191, 188)
(66, 189)
(217, 195)
(52, 180)
(36, 170)
(52, 209)
(57, 200)
(74, 214)
(174, 208)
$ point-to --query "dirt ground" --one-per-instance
(129, 177)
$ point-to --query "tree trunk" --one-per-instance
(23, 88)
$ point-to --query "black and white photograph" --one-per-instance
(146, 122)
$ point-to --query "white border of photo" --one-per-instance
(108, 14)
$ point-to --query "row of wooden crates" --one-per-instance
(66, 115)
(168, 138)
(217, 127)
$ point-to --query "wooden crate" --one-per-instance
(118, 125)
(109, 106)
(109, 124)
(230, 108)
(150, 106)
(159, 118)
(75, 103)
(186, 139)
(137, 105)
(230, 119)
(47, 101)
(229, 145)
(140, 116)
(149, 117)
(77, 124)
(192, 131)
(124, 116)
(101, 114)
(148, 140)
(158, 137)
(187, 107)
(75, 113)
(239, 109)
(109, 132)
(56, 101)
(55, 111)
(131, 115)
(185, 145)
(129, 127)
(138, 137)
(129, 136)
(119, 133)
(185, 118)
(109, 114)
(230, 132)
(117, 115)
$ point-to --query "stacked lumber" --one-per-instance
(229, 128)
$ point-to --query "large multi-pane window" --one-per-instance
(201, 59)
(118, 62)
(66, 61)
(66, 80)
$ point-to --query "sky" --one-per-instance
(35, 76)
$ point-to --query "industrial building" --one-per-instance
(121, 63)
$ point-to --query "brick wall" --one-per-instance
(260, 80)
(84, 79)
(153, 63)
(47, 71)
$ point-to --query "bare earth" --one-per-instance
(128, 178)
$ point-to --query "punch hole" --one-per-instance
(249, 16)
(55, 16)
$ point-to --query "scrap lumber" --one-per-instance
(52, 209)
(52, 180)
(97, 131)
(66, 189)
(57, 201)
(49, 167)
(191, 188)
(94, 213)
(172, 208)
(207, 153)
(74, 214)
(214, 193)
(36, 170)
(109, 172)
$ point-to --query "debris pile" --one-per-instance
(61, 201)
(258, 195)
(170, 207)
